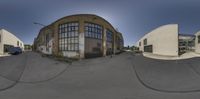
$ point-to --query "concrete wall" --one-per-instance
(43, 48)
(164, 40)
(10, 39)
(71, 54)
(1, 43)
(197, 45)
(91, 43)
(81, 45)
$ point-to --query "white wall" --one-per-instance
(43, 48)
(164, 40)
(1, 43)
(197, 45)
(10, 39)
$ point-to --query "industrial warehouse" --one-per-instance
(8, 40)
(79, 36)
(167, 41)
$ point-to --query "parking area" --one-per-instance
(124, 76)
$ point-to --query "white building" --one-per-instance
(161, 41)
(7, 40)
(197, 42)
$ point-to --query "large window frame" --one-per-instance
(109, 36)
(93, 30)
(68, 36)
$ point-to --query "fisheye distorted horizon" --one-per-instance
(133, 18)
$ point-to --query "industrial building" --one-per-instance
(79, 36)
(8, 40)
(167, 41)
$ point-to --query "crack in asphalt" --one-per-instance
(133, 69)
(15, 82)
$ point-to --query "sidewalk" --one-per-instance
(4, 55)
(169, 76)
(162, 57)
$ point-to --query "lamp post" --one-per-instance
(36, 23)
(47, 36)
(39, 24)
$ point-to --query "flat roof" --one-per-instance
(191, 35)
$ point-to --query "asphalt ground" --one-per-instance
(124, 76)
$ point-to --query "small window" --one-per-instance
(145, 42)
(198, 38)
(17, 43)
(139, 43)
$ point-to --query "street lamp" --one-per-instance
(47, 36)
(39, 24)
(36, 23)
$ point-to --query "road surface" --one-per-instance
(125, 76)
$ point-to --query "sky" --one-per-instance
(134, 18)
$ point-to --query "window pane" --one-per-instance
(76, 33)
(72, 47)
(68, 40)
(68, 36)
(76, 40)
(73, 34)
(109, 35)
(93, 30)
(72, 40)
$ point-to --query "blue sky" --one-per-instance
(134, 18)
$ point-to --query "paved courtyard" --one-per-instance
(125, 76)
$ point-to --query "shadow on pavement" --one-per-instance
(32, 68)
(168, 76)
(28, 67)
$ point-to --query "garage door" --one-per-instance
(148, 48)
(6, 47)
